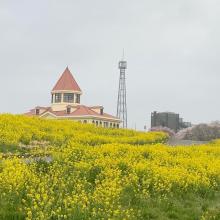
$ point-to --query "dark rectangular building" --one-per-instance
(168, 119)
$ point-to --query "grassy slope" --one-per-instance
(94, 151)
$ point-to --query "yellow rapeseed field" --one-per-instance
(65, 170)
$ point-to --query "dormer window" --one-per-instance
(68, 110)
(101, 111)
(68, 97)
(58, 97)
(37, 111)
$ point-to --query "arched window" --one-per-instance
(85, 121)
(97, 123)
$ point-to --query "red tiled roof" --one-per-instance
(67, 82)
(109, 116)
(81, 110)
(84, 110)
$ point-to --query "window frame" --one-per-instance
(66, 97)
(68, 110)
(78, 98)
(57, 97)
(37, 111)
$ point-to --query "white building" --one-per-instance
(65, 104)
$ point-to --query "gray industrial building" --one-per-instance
(168, 119)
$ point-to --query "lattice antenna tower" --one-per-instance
(122, 102)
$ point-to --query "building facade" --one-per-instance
(66, 104)
(168, 119)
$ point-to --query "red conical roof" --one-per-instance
(67, 82)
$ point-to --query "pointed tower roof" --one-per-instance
(66, 82)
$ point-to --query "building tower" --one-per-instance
(65, 92)
(122, 104)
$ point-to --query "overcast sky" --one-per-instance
(172, 48)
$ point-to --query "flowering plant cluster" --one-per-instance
(98, 173)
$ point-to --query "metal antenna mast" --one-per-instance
(122, 103)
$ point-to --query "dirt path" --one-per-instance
(175, 142)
